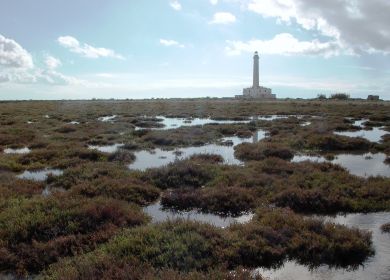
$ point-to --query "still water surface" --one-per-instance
(159, 214)
(157, 157)
(364, 165)
(375, 268)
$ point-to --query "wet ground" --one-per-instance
(159, 214)
(376, 267)
(363, 165)
(158, 157)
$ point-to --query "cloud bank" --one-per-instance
(86, 50)
(361, 25)
(12, 55)
(223, 18)
(284, 44)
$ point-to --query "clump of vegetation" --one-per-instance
(225, 201)
(386, 228)
(321, 96)
(39, 231)
(183, 136)
(66, 129)
(122, 155)
(187, 247)
(262, 150)
(102, 266)
(339, 96)
(187, 173)
(332, 142)
(128, 189)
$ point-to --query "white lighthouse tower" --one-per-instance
(257, 91)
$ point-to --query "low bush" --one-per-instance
(186, 173)
(122, 155)
(332, 142)
(38, 231)
(386, 228)
(262, 150)
(128, 189)
(225, 201)
(66, 129)
(101, 266)
(186, 247)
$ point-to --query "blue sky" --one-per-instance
(55, 49)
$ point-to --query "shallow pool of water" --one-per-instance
(376, 267)
(374, 135)
(157, 157)
(106, 149)
(24, 150)
(171, 123)
(39, 175)
(365, 165)
(107, 118)
(159, 214)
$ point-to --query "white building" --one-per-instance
(256, 91)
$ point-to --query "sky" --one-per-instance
(83, 49)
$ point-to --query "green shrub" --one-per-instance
(38, 231)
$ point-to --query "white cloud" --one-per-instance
(17, 67)
(214, 2)
(52, 62)
(360, 24)
(175, 5)
(86, 50)
(223, 18)
(170, 43)
(12, 55)
(284, 44)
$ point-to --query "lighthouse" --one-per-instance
(256, 74)
(256, 91)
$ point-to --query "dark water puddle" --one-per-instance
(158, 158)
(24, 150)
(39, 175)
(376, 267)
(365, 165)
(159, 214)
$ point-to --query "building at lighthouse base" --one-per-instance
(257, 92)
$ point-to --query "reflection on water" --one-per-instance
(170, 123)
(374, 135)
(106, 149)
(24, 150)
(159, 214)
(39, 175)
(49, 190)
(158, 157)
(376, 267)
(107, 118)
(360, 165)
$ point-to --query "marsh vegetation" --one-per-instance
(78, 180)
